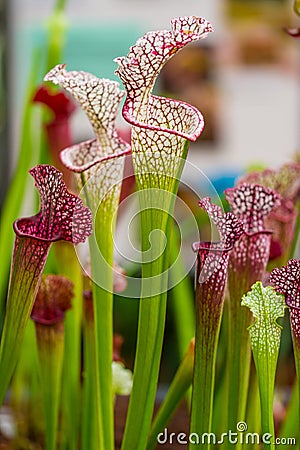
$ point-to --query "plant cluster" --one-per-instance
(244, 281)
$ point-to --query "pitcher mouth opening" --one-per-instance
(167, 116)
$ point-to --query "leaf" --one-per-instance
(266, 306)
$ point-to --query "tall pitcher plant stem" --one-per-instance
(252, 203)
(211, 276)
(161, 128)
(62, 216)
(98, 165)
(286, 281)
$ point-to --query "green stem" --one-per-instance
(89, 407)
(67, 264)
(290, 425)
(101, 250)
(182, 294)
(157, 204)
(17, 188)
(50, 342)
(149, 344)
(182, 300)
(57, 27)
(239, 362)
(296, 7)
(267, 306)
(179, 386)
(27, 267)
(28, 148)
(208, 321)
(253, 418)
(60, 5)
(25, 379)
(219, 419)
(296, 346)
(240, 279)
(266, 394)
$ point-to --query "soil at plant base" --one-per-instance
(178, 424)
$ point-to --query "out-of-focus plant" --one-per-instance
(30, 143)
(58, 128)
(282, 220)
(48, 313)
